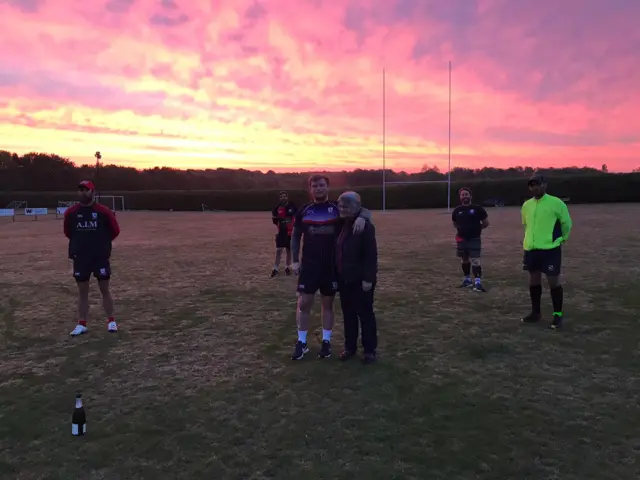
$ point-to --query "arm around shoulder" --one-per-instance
(366, 214)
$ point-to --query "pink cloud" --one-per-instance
(304, 79)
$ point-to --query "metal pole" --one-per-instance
(384, 146)
(449, 169)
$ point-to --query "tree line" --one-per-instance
(40, 172)
(597, 188)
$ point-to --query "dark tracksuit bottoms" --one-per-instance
(357, 261)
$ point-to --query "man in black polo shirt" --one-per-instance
(469, 220)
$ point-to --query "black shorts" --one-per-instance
(283, 240)
(311, 280)
(469, 248)
(548, 262)
(84, 268)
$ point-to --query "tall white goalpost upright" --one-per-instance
(384, 150)
(449, 167)
(384, 153)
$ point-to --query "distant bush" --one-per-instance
(596, 188)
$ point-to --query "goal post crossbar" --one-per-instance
(409, 182)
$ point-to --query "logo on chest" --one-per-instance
(321, 229)
(83, 225)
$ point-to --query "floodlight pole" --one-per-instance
(98, 156)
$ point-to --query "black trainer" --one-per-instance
(299, 351)
(478, 287)
(556, 323)
(325, 350)
(287, 271)
(531, 318)
(467, 282)
(274, 273)
(346, 355)
(369, 358)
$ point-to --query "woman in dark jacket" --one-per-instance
(357, 268)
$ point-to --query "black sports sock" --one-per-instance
(535, 291)
(557, 296)
(466, 268)
(477, 271)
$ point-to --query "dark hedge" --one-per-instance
(579, 189)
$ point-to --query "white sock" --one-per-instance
(326, 335)
(302, 336)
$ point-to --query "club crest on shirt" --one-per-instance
(321, 229)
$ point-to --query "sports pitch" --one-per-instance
(198, 384)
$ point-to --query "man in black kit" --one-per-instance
(91, 228)
(469, 220)
(282, 217)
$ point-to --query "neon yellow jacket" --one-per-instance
(546, 221)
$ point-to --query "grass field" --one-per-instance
(198, 384)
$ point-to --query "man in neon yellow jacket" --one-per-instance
(547, 225)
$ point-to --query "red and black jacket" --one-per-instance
(91, 230)
(282, 216)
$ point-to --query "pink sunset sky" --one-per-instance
(293, 85)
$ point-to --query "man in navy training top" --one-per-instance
(91, 229)
(282, 216)
(469, 220)
(319, 223)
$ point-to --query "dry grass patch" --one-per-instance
(198, 383)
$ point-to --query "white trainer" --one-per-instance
(112, 327)
(79, 330)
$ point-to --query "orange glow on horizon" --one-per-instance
(297, 86)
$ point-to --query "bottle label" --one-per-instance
(75, 429)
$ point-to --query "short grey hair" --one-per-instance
(350, 198)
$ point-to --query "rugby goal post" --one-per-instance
(384, 150)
